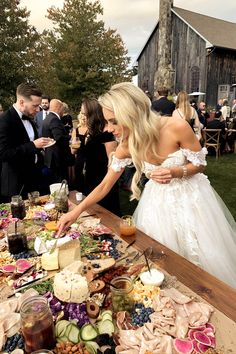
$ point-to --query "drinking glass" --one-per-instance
(127, 226)
(75, 143)
(33, 198)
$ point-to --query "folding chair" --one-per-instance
(212, 139)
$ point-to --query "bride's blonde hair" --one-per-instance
(132, 109)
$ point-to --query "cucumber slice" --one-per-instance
(73, 335)
(92, 347)
(68, 329)
(88, 332)
(61, 327)
(106, 326)
(62, 339)
(107, 316)
(105, 312)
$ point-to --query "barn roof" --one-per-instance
(216, 33)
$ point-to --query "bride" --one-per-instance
(178, 207)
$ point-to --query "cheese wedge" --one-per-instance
(49, 261)
(68, 253)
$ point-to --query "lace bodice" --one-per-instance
(177, 158)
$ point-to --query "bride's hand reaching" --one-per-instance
(65, 221)
(161, 175)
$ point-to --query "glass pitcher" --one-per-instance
(61, 198)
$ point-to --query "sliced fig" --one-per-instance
(9, 268)
(92, 309)
(202, 338)
(183, 346)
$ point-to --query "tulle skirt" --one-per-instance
(190, 218)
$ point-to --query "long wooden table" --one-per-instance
(214, 291)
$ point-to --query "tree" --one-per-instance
(42, 69)
(88, 58)
(17, 38)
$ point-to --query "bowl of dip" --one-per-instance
(154, 277)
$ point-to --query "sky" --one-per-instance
(134, 19)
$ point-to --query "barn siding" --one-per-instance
(188, 50)
(147, 64)
(221, 70)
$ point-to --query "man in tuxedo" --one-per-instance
(58, 157)
(20, 146)
(162, 105)
(41, 115)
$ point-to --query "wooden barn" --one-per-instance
(192, 52)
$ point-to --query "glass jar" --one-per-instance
(17, 207)
(16, 238)
(121, 294)
(37, 324)
(61, 201)
(33, 198)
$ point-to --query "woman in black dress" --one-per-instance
(93, 154)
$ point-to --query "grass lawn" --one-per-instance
(222, 175)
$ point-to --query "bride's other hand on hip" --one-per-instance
(161, 175)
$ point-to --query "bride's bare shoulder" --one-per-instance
(122, 151)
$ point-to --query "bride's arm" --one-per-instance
(95, 196)
(119, 161)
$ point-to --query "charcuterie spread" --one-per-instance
(102, 296)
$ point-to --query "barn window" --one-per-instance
(195, 77)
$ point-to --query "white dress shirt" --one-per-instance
(27, 125)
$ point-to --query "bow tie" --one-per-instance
(25, 117)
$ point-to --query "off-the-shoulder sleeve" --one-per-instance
(118, 164)
(196, 158)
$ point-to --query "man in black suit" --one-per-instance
(40, 116)
(20, 146)
(58, 157)
(162, 105)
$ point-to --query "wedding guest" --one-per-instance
(94, 153)
(58, 157)
(42, 114)
(225, 111)
(20, 147)
(66, 118)
(185, 111)
(178, 207)
(162, 105)
(203, 115)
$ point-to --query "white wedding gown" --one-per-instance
(190, 218)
